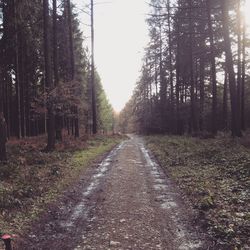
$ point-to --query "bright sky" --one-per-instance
(120, 37)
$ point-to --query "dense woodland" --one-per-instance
(194, 81)
(45, 74)
(194, 78)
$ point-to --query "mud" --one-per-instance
(125, 202)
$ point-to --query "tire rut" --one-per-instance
(127, 202)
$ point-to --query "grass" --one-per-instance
(32, 178)
(214, 175)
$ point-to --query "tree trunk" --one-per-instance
(163, 90)
(202, 92)
(3, 133)
(235, 122)
(193, 121)
(243, 125)
(3, 128)
(17, 82)
(178, 82)
(171, 81)
(225, 108)
(93, 89)
(213, 69)
(55, 44)
(48, 77)
(71, 45)
(239, 63)
(58, 118)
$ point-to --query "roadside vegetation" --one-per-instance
(213, 175)
(31, 179)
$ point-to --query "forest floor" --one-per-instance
(124, 202)
(197, 197)
(214, 176)
(31, 179)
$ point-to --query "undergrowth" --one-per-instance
(32, 178)
(214, 174)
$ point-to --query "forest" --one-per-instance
(46, 74)
(194, 78)
(170, 171)
(192, 102)
(55, 117)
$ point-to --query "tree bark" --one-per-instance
(55, 44)
(163, 88)
(193, 120)
(17, 72)
(93, 89)
(243, 125)
(178, 82)
(171, 77)
(3, 131)
(235, 122)
(58, 117)
(225, 108)
(48, 77)
(3, 135)
(239, 63)
(213, 69)
(71, 44)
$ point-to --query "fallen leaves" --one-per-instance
(215, 176)
(32, 178)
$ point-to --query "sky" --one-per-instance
(121, 34)
(120, 38)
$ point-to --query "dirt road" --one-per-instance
(126, 202)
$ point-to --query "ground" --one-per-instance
(125, 202)
(32, 179)
(213, 174)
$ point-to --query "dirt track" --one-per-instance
(126, 202)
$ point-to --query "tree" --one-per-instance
(243, 80)
(213, 68)
(48, 77)
(191, 46)
(44, 72)
(93, 92)
(235, 126)
(3, 138)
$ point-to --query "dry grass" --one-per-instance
(32, 178)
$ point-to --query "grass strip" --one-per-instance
(32, 179)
